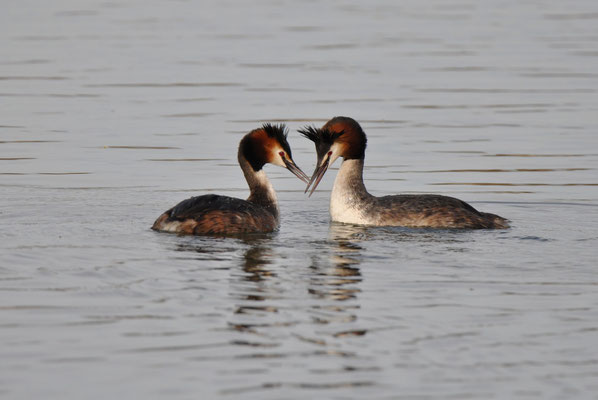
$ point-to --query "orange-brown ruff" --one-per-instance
(222, 215)
(350, 201)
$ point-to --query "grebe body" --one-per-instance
(223, 215)
(350, 202)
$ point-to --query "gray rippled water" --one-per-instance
(111, 112)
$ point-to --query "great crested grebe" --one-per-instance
(221, 215)
(351, 203)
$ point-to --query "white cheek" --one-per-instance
(335, 150)
(276, 158)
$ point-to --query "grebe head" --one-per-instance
(268, 144)
(339, 137)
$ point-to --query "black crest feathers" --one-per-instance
(280, 133)
(320, 135)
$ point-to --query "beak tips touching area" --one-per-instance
(291, 166)
(318, 175)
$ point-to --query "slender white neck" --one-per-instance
(349, 180)
(349, 195)
(260, 188)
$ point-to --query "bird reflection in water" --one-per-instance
(252, 281)
(336, 279)
(256, 259)
(253, 287)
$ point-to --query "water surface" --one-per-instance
(113, 112)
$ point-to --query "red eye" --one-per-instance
(281, 153)
(329, 153)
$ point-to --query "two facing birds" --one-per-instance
(350, 201)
